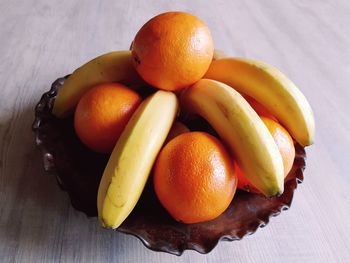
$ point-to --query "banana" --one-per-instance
(272, 89)
(111, 67)
(131, 161)
(242, 129)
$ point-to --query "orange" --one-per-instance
(285, 145)
(194, 177)
(102, 113)
(172, 50)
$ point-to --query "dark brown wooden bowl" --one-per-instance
(78, 171)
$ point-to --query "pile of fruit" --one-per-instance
(132, 104)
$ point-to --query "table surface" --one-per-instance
(41, 40)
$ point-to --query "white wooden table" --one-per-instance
(41, 40)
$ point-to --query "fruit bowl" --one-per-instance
(79, 170)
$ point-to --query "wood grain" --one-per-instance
(41, 40)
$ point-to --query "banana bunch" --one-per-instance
(217, 98)
(272, 89)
